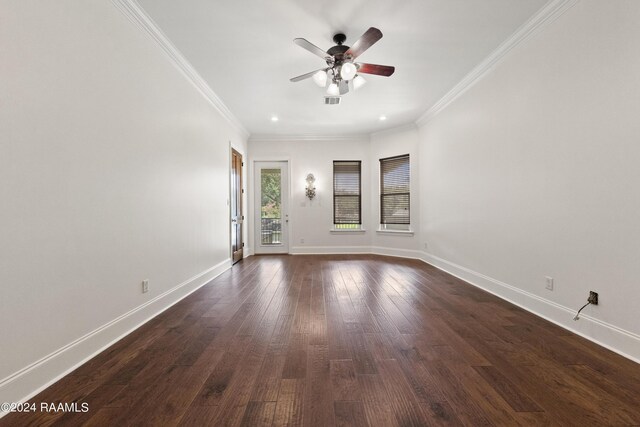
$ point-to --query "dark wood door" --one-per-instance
(237, 218)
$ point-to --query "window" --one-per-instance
(394, 192)
(346, 194)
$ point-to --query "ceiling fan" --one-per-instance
(342, 72)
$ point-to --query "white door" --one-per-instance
(271, 183)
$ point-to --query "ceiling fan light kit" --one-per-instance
(342, 73)
(348, 71)
(358, 82)
(320, 78)
(333, 90)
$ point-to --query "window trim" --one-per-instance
(359, 195)
(408, 194)
(406, 233)
(360, 230)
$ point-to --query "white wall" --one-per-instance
(389, 143)
(312, 220)
(534, 172)
(110, 172)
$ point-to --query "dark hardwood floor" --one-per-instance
(346, 341)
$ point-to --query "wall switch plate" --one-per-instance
(549, 283)
(145, 286)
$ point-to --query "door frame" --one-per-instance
(244, 229)
(252, 197)
(239, 196)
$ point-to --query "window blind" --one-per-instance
(346, 192)
(394, 190)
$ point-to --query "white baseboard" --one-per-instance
(401, 253)
(337, 250)
(616, 339)
(29, 381)
(329, 250)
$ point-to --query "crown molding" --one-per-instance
(317, 137)
(137, 15)
(395, 129)
(546, 15)
(307, 137)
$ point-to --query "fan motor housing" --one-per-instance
(339, 49)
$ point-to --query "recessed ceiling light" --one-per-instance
(382, 118)
(274, 118)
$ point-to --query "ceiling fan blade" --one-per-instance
(367, 40)
(303, 43)
(343, 87)
(305, 76)
(380, 70)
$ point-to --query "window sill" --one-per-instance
(407, 233)
(346, 230)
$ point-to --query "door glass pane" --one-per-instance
(270, 206)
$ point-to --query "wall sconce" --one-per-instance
(310, 189)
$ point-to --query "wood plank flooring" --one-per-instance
(346, 341)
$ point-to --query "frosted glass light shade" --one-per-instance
(320, 78)
(333, 90)
(348, 71)
(358, 82)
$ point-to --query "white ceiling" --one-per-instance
(244, 50)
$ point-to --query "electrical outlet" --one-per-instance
(593, 298)
(425, 245)
(145, 286)
(549, 283)
(301, 240)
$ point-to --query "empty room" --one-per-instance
(319, 213)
